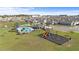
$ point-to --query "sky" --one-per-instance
(39, 10)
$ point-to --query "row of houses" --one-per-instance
(14, 17)
(60, 19)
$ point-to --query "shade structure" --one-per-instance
(24, 29)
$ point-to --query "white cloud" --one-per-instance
(14, 10)
(29, 10)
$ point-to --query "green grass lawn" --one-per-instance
(9, 41)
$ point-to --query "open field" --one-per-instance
(65, 28)
(9, 41)
(31, 41)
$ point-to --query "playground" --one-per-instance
(9, 41)
(56, 38)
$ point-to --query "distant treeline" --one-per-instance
(14, 15)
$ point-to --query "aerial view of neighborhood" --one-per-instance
(39, 28)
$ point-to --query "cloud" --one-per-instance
(14, 10)
(31, 10)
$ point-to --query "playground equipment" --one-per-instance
(55, 38)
